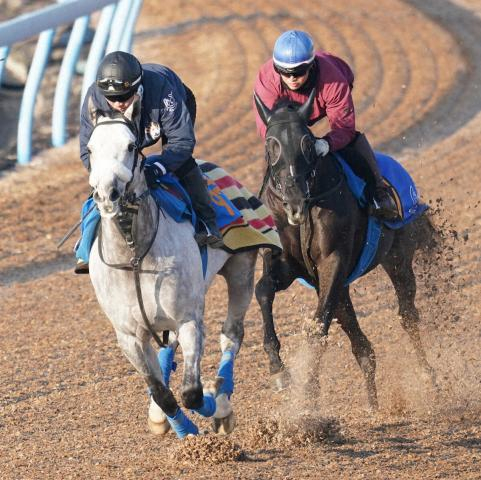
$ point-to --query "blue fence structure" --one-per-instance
(114, 31)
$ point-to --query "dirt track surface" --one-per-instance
(72, 406)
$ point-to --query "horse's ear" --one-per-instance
(264, 112)
(133, 112)
(305, 110)
(93, 111)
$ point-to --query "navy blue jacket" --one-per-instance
(163, 104)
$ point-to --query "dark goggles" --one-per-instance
(298, 71)
(119, 98)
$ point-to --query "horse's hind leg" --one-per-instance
(399, 268)
(360, 345)
(239, 275)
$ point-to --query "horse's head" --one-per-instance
(290, 153)
(114, 165)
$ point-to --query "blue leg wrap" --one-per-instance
(208, 408)
(166, 362)
(181, 424)
(226, 371)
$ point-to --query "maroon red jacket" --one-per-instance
(333, 99)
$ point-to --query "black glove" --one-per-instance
(152, 172)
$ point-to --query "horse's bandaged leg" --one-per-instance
(226, 371)
(208, 407)
(166, 362)
(181, 424)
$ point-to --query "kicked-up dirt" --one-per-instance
(71, 406)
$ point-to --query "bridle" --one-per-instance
(308, 176)
(272, 181)
(126, 223)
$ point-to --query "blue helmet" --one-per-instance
(293, 48)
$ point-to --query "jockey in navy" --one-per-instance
(293, 71)
(168, 114)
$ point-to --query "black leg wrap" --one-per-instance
(164, 398)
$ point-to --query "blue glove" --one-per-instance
(152, 172)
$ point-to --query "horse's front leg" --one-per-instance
(330, 284)
(276, 276)
(142, 356)
(331, 277)
(191, 340)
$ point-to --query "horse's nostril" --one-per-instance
(96, 196)
(114, 195)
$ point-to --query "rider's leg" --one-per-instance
(192, 180)
(383, 203)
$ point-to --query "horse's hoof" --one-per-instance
(224, 426)
(158, 428)
(157, 419)
(280, 381)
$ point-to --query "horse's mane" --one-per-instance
(286, 102)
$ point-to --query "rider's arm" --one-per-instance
(177, 127)
(86, 128)
(340, 113)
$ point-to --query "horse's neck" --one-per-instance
(144, 229)
(327, 174)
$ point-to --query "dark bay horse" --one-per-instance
(322, 230)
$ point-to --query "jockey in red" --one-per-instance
(292, 73)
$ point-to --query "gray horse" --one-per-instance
(147, 274)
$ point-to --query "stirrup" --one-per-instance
(207, 238)
(383, 211)
(81, 267)
(210, 237)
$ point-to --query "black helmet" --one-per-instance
(119, 75)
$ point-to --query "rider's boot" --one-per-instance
(383, 204)
(194, 183)
(81, 267)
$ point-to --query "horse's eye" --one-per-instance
(131, 147)
(89, 151)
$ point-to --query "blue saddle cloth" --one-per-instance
(406, 197)
(171, 197)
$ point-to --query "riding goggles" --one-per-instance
(114, 86)
(298, 71)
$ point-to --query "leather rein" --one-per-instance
(126, 223)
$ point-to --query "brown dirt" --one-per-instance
(72, 406)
